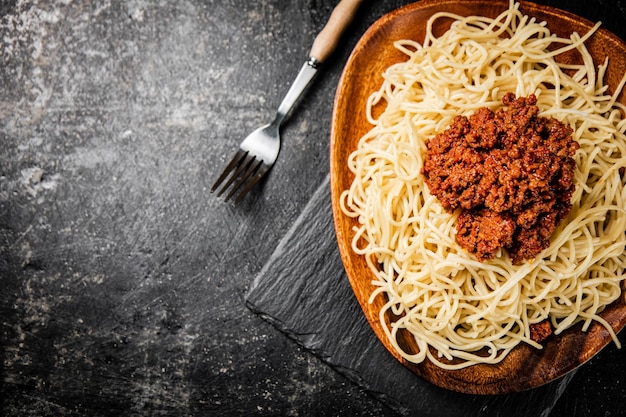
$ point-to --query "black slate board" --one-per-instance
(304, 292)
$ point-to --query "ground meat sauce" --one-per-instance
(540, 331)
(511, 174)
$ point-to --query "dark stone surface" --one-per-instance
(310, 299)
(122, 280)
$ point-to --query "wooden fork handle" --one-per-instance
(327, 40)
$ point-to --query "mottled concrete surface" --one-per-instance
(122, 279)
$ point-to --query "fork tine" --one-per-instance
(257, 176)
(252, 168)
(236, 173)
(239, 156)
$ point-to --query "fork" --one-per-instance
(258, 152)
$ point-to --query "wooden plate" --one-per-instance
(524, 367)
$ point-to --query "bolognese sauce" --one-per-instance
(511, 172)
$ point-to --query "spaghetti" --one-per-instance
(461, 311)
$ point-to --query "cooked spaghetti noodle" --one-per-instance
(461, 311)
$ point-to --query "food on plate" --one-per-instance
(510, 173)
(555, 196)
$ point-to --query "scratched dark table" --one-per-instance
(122, 279)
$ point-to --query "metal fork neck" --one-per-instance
(306, 74)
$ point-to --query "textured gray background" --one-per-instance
(122, 280)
